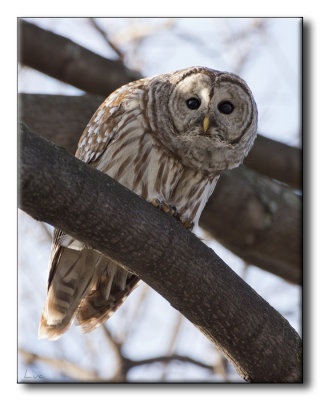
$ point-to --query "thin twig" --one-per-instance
(221, 367)
(65, 367)
(172, 343)
(140, 31)
(45, 228)
(136, 314)
(116, 346)
(119, 374)
(105, 36)
(241, 41)
(173, 357)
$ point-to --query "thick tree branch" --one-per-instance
(259, 220)
(60, 119)
(65, 60)
(95, 209)
(256, 218)
(276, 160)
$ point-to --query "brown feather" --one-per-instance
(96, 309)
(70, 280)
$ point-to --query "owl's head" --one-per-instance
(210, 118)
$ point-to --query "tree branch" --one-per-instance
(124, 364)
(75, 372)
(65, 367)
(60, 119)
(239, 214)
(166, 359)
(106, 38)
(65, 60)
(276, 160)
(259, 220)
(93, 208)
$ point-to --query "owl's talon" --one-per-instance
(174, 212)
(189, 225)
(165, 208)
(156, 203)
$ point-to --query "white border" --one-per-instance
(307, 9)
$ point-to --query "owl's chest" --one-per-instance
(138, 162)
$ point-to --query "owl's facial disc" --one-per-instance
(211, 106)
(206, 118)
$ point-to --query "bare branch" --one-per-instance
(136, 314)
(167, 359)
(124, 364)
(137, 32)
(63, 59)
(65, 367)
(119, 374)
(116, 346)
(65, 192)
(60, 119)
(276, 160)
(275, 239)
(105, 36)
(259, 220)
(172, 342)
(175, 333)
(47, 232)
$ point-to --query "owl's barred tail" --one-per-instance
(71, 277)
(95, 309)
(84, 285)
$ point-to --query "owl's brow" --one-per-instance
(221, 77)
(211, 92)
(195, 70)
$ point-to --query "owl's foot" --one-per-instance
(189, 225)
(172, 211)
(165, 208)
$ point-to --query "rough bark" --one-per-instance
(256, 218)
(276, 160)
(61, 119)
(65, 60)
(87, 204)
(259, 220)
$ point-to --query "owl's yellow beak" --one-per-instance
(206, 123)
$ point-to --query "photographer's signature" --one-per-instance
(31, 375)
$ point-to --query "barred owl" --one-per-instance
(167, 138)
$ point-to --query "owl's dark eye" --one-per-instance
(225, 107)
(193, 103)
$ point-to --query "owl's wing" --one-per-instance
(82, 281)
(106, 122)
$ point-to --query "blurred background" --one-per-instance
(161, 344)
